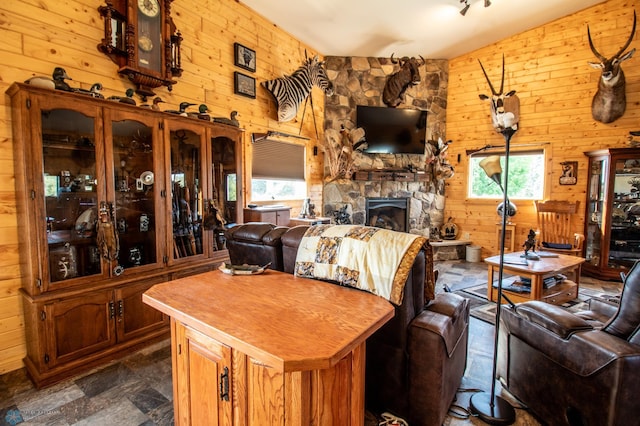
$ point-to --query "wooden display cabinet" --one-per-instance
(277, 215)
(113, 198)
(612, 217)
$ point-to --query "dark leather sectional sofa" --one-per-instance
(416, 361)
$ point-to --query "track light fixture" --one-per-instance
(465, 8)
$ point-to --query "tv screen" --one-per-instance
(391, 130)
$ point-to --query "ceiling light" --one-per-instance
(465, 8)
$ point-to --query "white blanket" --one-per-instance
(372, 259)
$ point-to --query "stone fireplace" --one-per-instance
(388, 213)
(361, 81)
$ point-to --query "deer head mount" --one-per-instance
(610, 100)
(505, 107)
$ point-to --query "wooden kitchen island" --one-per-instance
(268, 349)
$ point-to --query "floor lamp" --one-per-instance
(491, 408)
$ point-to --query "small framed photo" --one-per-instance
(244, 57)
(569, 174)
(244, 85)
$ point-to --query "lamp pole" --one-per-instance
(491, 408)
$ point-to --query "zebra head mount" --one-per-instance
(610, 100)
(290, 91)
(505, 107)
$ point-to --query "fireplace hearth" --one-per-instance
(388, 213)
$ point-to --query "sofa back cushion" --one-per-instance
(256, 243)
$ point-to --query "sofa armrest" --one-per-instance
(552, 318)
(447, 316)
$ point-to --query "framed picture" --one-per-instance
(569, 174)
(244, 85)
(244, 57)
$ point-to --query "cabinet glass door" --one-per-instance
(223, 206)
(596, 202)
(624, 243)
(134, 210)
(187, 204)
(71, 200)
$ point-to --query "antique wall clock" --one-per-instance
(141, 38)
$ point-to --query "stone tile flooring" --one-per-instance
(137, 389)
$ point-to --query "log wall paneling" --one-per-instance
(42, 34)
(547, 66)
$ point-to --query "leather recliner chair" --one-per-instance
(566, 368)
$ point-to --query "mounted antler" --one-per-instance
(505, 107)
(610, 101)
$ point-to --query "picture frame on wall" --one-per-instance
(569, 174)
(244, 57)
(244, 85)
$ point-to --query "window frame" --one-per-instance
(529, 149)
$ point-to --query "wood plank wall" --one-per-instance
(547, 66)
(42, 34)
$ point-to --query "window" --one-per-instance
(278, 171)
(526, 176)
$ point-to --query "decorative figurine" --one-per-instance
(128, 99)
(530, 244)
(94, 91)
(183, 109)
(41, 81)
(59, 77)
(341, 216)
(202, 113)
(230, 121)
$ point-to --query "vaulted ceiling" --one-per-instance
(432, 28)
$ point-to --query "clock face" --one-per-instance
(150, 8)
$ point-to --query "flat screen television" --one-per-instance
(392, 130)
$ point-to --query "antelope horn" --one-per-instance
(493, 91)
(593, 48)
(502, 81)
(423, 61)
(395, 61)
(633, 31)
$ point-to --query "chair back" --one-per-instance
(554, 222)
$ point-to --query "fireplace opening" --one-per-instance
(388, 213)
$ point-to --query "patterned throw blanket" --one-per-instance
(372, 259)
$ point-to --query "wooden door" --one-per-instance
(77, 327)
(134, 318)
(203, 379)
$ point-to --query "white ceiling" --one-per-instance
(434, 29)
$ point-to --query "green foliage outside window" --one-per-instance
(526, 177)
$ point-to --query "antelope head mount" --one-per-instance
(505, 107)
(610, 100)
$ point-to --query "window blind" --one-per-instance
(278, 160)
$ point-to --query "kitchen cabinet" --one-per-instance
(113, 198)
(277, 215)
(240, 358)
(612, 221)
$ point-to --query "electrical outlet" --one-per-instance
(467, 236)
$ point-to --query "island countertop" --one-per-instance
(285, 322)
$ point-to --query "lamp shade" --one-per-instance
(493, 169)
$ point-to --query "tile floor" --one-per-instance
(137, 390)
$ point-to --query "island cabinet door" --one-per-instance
(202, 379)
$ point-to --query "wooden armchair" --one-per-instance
(554, 222)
